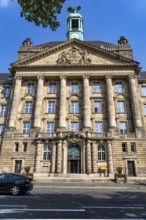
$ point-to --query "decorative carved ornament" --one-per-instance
(74, 56)
(75, 138)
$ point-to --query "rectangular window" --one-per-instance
(74, 126)
(96, 87)
(75, 23)
(50, 127)
(74, 87)
(124, 147)
(30, 88)
(123, 127)
(28, 107)
(143, 90)
(47, 152)
(118, 87)
(74, 107)
(6, 92)
(133, 147)
(52, 88)
(24, 147)
(97, 107)
(98, 127)
(121, 108)
(26, 127)
(16, 147)
(51, 107)
(1, 128)
(144, 109)
(3, 110)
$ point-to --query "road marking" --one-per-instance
(21, 197)
(112, 207)
(22, 206)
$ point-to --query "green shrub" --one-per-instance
(27, 169)
(119, 170)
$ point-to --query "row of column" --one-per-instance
(89, 159)
(86, 103)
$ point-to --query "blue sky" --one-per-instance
(104, 20)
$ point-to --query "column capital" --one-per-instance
(108, 76)
(131, 76)
(85, 77)
(40, 77)
(18, 78)
(63, 77)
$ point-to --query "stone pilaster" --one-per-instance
(83, 158)
(88, 157)
(38, 157)
(59, 157)
(110, 102)
(38, 104)
(110, 158)
(94, 157)
(135, 105)
(86, 103)
(62, 104)
(53, 158)
(15, 102)
(64, 157)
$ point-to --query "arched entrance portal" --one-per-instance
(74, 159)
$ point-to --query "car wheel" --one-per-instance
(15, 190)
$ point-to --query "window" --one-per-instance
(6, 92)
(51, 107)
(26, 127)
(118, 87)
(16, 147)
(133, 147)
(144, 109)
(50, 127)
(143, 90)
(74, 126)
(24, 147)
(1, 128)
(98, 127)
(96, 87)
(74, 87)
(28, 107)
(47, 152)
(74, 107)
(123, 127)
(121, 108)
(30, 88)
(97, 107)
(124, 147)
(101, 152)
(75, 23)
(52, 88)
(3, 110)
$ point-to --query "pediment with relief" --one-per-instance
(73, 52)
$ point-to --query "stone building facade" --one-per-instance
(73, 107)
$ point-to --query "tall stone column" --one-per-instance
(88, 157)
(62, 104)
(15, 102)
(53, 158)
(38, 104)
(83, 158)
(59, 157)
(110, 102)
(38, 157)
(64, 157)
(86, 103)
(135, 104)
(94, 157)
(110, 158)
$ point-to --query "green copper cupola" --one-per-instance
(75, 24)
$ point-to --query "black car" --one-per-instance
(15, 184)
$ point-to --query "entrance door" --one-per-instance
(74, 159)
(131, 168)
(18, 165)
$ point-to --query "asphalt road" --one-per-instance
(76, 203)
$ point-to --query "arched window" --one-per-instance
(101, 152)
(47, 152)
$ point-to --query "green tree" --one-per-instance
(42, 12)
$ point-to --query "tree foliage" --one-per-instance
(42, 12)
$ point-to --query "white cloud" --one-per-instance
(5, 3)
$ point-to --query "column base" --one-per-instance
(87, 129)
(139, 132)
(60, 129)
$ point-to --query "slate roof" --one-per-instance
(142, 75)
(5, 76)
